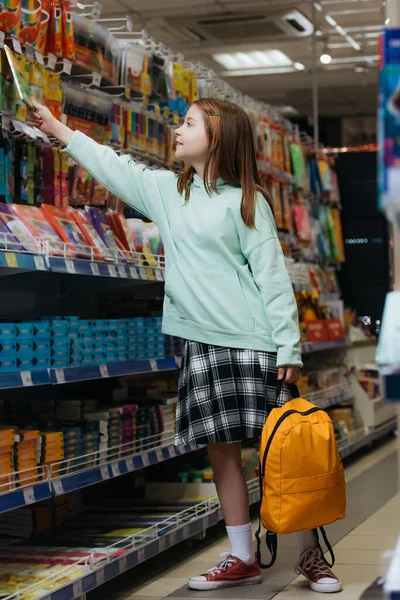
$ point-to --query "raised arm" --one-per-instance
(135, 184)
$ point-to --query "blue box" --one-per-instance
(8, 365)
(7, 331)
(121, 356)
(8, 347)
(109, 347)
(99, 359)
(25, 363)
(41, 354)
(58, 363)
(58, 333)
(86, 360)
(60, 354)
(24, 330)
(42, 362)
(86, 351)
(41, 344)
(101, 325)
(85, 326)
(110, 357)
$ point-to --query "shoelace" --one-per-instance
(313, 560)
(223, 565)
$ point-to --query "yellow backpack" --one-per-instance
(301, 473)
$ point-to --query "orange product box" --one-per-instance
(335, 329)
(316, 331)
(64, 224)
(101, 252)
(35, 220)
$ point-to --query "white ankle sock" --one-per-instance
(306, 540)
(241, 541)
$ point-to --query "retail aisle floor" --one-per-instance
(372, 525)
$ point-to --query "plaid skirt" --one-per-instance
(225, 394)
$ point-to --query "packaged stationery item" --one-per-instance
(44, 26)
(10, 17)
(30, 21)
(67, 31)
(55, 34)
(36, 222)
(64, 224)
(121, 229)
(92, 237)
(100, 223)
(22, 236)
(21, 82)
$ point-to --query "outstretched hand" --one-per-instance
(41, 118)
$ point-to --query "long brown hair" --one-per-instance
(231, 155)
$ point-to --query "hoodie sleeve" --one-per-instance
(263, 252)
(135, 184)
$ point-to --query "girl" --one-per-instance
(227, 293)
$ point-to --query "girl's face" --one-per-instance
(191, 138)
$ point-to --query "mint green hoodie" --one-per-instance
(226, 284)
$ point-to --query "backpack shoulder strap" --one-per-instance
(328, 545)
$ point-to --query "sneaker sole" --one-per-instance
(326, 588)
(215, 585)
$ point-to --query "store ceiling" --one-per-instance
(200, 29)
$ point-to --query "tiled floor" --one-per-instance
(372, 526)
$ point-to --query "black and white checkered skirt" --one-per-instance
(225, 394)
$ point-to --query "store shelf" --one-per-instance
(85, 373)
(135, 265)
(361, 439)
(331, 396)
(93, 468)
(84, 471)
(135, 550)
(310, 347)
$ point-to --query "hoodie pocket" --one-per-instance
(212, 298)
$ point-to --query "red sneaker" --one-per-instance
(229, 572)
(314, 568)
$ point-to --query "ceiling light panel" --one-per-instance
(272, 59)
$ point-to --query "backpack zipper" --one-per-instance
(277, 425)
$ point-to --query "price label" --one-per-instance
(129, 464)
(100, 578)
(105, 473)
(112, 271)
(142, 273)
(162, 542)
(58, 487)
(26, 378)
(39, 57)
(145, 460)
(133, 272)
(154, 365)
(172, 538)
(121, 271)
(186, 532)
(11, 260)
(70, 267)
(115, 470)
(123, 565)
(39, 263)
(2, 38)
(77, 589)
(67, 68)
(96, 81)
(60, 375)
(150, 274)
(159, 275)
(29, 495)
(160, 455)
(104, 371)
(51, 61)
(141, 555)
(95, 269)
(29, 53)
(17, 45)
